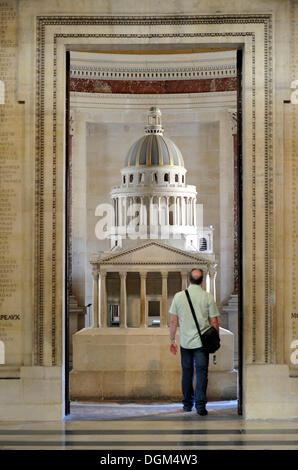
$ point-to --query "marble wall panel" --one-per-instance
(152, 87)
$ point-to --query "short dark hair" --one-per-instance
(199, 280)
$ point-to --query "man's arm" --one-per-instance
(173, 329)
(214, 322)
(213, 313)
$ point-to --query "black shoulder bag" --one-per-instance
(210, 339)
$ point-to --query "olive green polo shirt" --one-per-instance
(204, 307)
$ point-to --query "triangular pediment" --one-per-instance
(153, 253)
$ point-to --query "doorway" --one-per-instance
(154, 311)
(153, 304)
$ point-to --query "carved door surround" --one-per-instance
(55, 34)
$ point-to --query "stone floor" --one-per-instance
(130, 426)
(90, 411)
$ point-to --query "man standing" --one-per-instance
(191, 348)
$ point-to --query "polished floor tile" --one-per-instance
(155, 426)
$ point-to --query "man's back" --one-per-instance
(205, 308)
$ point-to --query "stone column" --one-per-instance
(103, 300)
(143, 319)
(120, 211)
(150, 211)
(114, 215)
(213, 284)
(95, 322)
(204, 283)
(184, 280)
(125, 213)
(116, 209)
(167, 211)
(195, 212)
(159, 221)
(175, 211)
(178, 210)
(144, 210)
(164, 301)
(123, 300)
(208, 281)
(186, 211)
(141, 211)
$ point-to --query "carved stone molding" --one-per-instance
(42, 300)
(93, 72)
(233, 120)
(72, 124)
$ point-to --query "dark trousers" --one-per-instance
(199, 359)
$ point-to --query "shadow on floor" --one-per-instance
(89, 411)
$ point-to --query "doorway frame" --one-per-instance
(55, 35)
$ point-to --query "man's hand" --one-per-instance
(173, 348)
(214, 322)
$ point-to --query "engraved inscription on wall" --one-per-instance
(291, 185)
(294, 229)
(10, 193)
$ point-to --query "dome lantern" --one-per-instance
(154, 121)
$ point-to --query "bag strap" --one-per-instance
(193, 312)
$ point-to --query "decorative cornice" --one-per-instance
(152, 73)
(125, 20)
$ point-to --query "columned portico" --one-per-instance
(153, 258)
